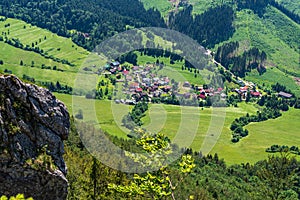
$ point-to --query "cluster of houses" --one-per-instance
(250, 87)
(143, 82)
(246, 88)
(243, 91)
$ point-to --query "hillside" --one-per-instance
(67, 57)
(166, 105)
(273, 31)
(40, 54)
(268, 35)
(87, 22)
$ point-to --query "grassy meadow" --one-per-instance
(282, 131)
(105, 113)
(163, 6)
(174, 71)
(59, 47)
(206, 130)
(53, 45)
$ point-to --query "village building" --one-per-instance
(113, 71)
(186, 84)
(115, 64)
(134, 85)
(129, 78)
(139, 90)
(187, 95)
(202, 96)
(135, 68)
(285, 95)
(255, 94)
(125, 72)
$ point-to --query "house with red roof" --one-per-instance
(255, 94)
(125, 72)
(201, 96)
(139, 90)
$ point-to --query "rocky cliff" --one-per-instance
(33, 125)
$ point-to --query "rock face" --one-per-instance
(32, 123)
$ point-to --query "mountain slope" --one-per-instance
(100, 19)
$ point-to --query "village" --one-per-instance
(144, 83)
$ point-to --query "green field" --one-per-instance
(54, 45)
(197, 128)
(104, 113)
(174, 71)
(274, 75)
(282, 131)
(51, 43)
(163, 6)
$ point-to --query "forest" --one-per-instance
(93, 21)
(90, 22)
(210, 28)
(239, 65)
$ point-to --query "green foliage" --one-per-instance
(239, 65)
(277, 148)
(156, 184)
(13, 129)
(209, 28)
(18, 197)
(43, 161)
(133, 119)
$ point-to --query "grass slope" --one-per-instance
(54, 45)
(180, 124)
(163, 6)
(252, 31)
(283, 131)
(51, 43)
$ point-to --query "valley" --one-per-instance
(63, 48)
(222, 119)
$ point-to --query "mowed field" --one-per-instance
(205, 130)
(50, 43)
